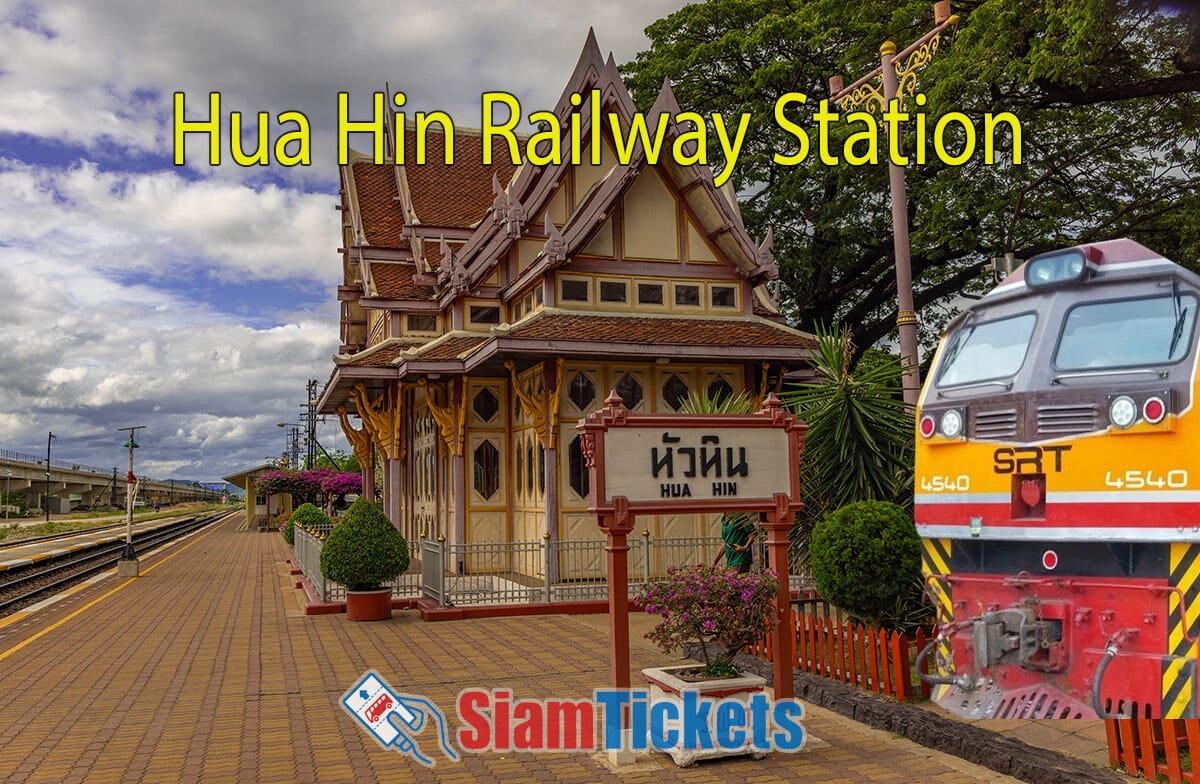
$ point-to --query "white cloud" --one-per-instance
(161, 222)
(108, 72)
(98, 230)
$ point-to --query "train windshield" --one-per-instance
(1127, 333)
(986, 351)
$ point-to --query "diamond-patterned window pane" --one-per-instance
(582, 391)
(520, 470)
(675, 392)
(487, 469)
(630, 391)
(577, 471)
(529, 468)
(486, 405)
(719, 390)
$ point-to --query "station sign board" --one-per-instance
(692, 462)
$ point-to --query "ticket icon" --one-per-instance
(373, 703)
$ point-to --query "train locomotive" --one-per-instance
(1057, 441)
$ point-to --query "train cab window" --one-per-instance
(1128, 333)
(986, 351)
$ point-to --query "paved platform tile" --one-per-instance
(202, 669)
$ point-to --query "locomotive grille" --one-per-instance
(1063, 420)
(997, 425)
(1040, 702)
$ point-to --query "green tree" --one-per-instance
(1107, 93)
(345, 462)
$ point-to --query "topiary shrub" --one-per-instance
(307, 516)
(866, 560)
(364, 550)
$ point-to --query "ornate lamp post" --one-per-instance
(897, 74)
(127, 565)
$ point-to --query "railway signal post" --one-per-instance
(127, 565)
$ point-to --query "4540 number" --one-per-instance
(1135, 479)
(946, 484)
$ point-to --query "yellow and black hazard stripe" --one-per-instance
(935, 562)
(1179, 665)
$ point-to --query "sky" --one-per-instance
(197, 300)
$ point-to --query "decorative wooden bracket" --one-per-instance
(382, 423)
(536, 406)
(450, 419)
(587, 441)
(360, 440)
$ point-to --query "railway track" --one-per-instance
(24, 585)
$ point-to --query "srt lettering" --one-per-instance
(1026, 459)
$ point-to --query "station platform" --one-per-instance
(19, 554)
(206, 669)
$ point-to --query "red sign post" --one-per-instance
(681, 463)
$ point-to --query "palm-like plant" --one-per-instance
(699, 402)
(860, 434)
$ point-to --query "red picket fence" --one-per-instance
(1155, 748)
(868, 658)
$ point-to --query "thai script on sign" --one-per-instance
(707, 458)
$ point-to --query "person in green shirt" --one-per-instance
(737, 532)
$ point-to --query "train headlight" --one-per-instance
(952, 424)
(1154, 410)
(928, 426)
(1122, 411)
(1056, 268)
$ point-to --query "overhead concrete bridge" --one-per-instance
(88, 485)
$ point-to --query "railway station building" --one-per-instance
(486, 309)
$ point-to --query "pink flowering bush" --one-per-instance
(337, 483)
(311, 485)
(711, 606)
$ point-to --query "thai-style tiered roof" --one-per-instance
(425, 238)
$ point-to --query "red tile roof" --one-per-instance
(377, 204)
(395, 281)
(451, 348)
(458, 195)
(387, 353)
(660, 331)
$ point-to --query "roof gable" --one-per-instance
(539, 190)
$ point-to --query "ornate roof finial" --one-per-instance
(515, 219)
(452, 273)
(555, 247)
(448, 261)
(499, 201)
(767, 268)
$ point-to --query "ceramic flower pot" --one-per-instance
(369, 605)
(671, 682)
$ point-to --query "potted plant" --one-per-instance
(718, 612)
(364, 552)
